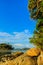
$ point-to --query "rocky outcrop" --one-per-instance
(30, 57)
(40, 59)
(10, 56)
(33, 52)
(20, 60)
(16, 54)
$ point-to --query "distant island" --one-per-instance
(7, 48)
(22, 49)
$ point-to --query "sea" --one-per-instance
(19, 50)
(16, 50)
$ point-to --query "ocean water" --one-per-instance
(16, 50)
(19, 50)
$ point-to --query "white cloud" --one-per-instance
(15, 32)
(18, 44)
(4, 34)
(17, 38)
(26, 31)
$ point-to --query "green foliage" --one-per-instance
(37, 38)
(4, 46)
(39, 25)
(36, 8)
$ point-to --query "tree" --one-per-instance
(5, 48)
(36, 10)
(37, 38)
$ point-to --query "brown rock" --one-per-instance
(40, 59)
(25, 60)
(16, 54)
(20, 60)
(33, 52)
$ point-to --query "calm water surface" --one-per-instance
(17, 50)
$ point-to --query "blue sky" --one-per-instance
(16, 26)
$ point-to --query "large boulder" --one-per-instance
(40, 59)
(24, 60)
(33, 52)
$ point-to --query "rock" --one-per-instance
(24, 60)
(33, 52)
(40, 59)
(17, 54)
(21, 60)
(12, 56)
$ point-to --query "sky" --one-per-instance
(16, 26)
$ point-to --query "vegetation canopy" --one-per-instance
(5, 48)
(36, 10)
